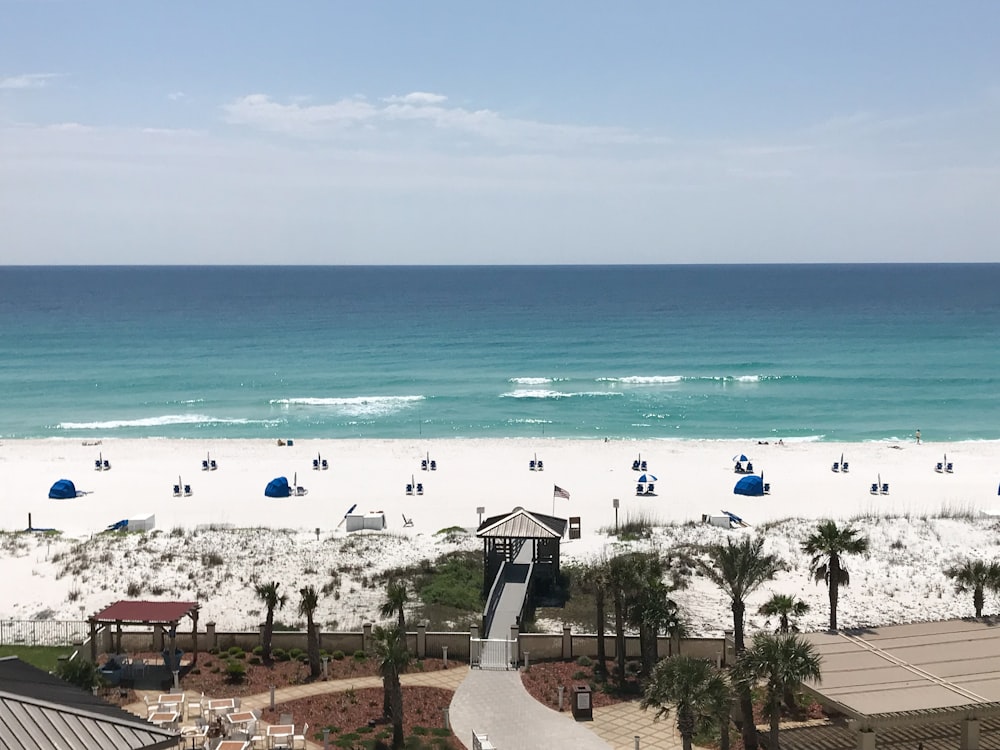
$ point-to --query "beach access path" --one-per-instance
(496, 703)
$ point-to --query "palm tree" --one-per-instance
(692, 687)
(389, 647)
(827, 544)
(308, 603)
(784, 606)
(782, 662)
(621, 580)
(739, 569)
(396, 598)
(975, 576)
(268, 594)
(596, 578)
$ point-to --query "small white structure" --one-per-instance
(723, 521)
(372, 521)
(142, 523)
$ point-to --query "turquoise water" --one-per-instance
(828, 352)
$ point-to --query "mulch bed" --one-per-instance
(542, 681)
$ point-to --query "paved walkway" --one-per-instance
(497, 704)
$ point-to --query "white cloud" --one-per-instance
(261, 111)
(27, 81)
(176, 96)
(417, 97)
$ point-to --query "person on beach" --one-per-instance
(917, 436)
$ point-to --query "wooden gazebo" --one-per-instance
(504, 536)
(129, 612)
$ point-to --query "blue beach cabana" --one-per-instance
(278, 487)
(64, 489)
(752, 486)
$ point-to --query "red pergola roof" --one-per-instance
(146, 612)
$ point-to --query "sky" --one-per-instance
(433, 132)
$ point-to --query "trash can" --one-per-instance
(583, 706)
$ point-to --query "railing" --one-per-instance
(43, 632)
(494, 653)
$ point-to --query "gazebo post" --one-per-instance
(194, 635)
(93, 639)
(118, 643)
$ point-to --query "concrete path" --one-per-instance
(497, 704)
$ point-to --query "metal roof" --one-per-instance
(39, 711)
(145, 612)
(908, 674)
(520, 524)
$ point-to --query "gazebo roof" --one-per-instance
(521, 524)
(146, 613)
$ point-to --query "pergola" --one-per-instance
(913, 676)
(128, 612)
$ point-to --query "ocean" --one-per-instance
(762, 352)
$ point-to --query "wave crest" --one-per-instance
(543, 394)
(166, 419)
(355, 406)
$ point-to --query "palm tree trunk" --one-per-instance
(397, 712)
(724, 722)
(619, 636)
(685, 726)
(772, 740)
(749, 729)
(602, 655)
(312, 646)
(268, 635)
(977, 600)
(834, 589)
(784, 622)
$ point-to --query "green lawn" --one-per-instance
(43, 657)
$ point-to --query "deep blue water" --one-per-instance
(832, 352)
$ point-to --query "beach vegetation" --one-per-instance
(360, 655)
(272, 599)
(739, 568)
(338, 655)
(133, 589)
(308, 603)
(212, 560)
(396, 598)
(784, 607)
(636, 526)
(782, 662)
(975, 576)
(80, 672)
(827, 545)
(236, 671)
(697, 692)
(279, 654)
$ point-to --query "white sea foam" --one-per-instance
(644, 379)
(167, 419)
(355, 406)
(542, 394)
(529, 381)
(529, 421)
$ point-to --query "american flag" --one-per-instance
(558, 491)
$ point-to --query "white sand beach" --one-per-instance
(901, 580)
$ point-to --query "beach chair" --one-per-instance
(212, 465)
(885, 488)
(836, 466)
(639, 489)
(541, 466)
(315, 464)
(423, 464)
(409, 489)
(324, 464)
(204, 464)
(844, 467)
(531, 465)
(420, 488)
(767, 488)
(301, 492)
(635, 465)
(949, 468)
(107, 465)
(649, 489)
(187, 490)
(177, 490)
(749, 469)
(642, 466)
(939, 467)
(738, 468)
(98, 466)
(874, 489)
(434, 465)
(407, 522)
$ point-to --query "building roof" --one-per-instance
(905, 674)
(39, 711)
(145, 612)
(521, 524)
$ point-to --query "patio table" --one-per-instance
(232, 745)
(178, 701)
(219, 705)
(279, 735)
(163, 717)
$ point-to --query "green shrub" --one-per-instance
(235, 651)
(279, 654)
(255, 660)
(359, 655)
(294, 653)
(258, 651)
(583, 661)
(580, 675)
(79, 672)
(213, 650)
(338, 655)
(236, 671)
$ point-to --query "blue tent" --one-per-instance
(751, 485)
(278, 488)
(62, 490)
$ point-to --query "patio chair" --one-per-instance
(285, 719)
(187, 490)
(874, 489)
(949, 468)
(196, 707)
(177, 490)
(738, 468)
(316, 464)
(642, 466)
(299, 740)
(97, 464)
(767, 488)
(749, 468)
(107, 465)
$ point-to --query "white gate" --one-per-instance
(494, 653)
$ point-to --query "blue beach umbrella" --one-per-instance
(741, 457)
(646, 478)
(278, 487)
